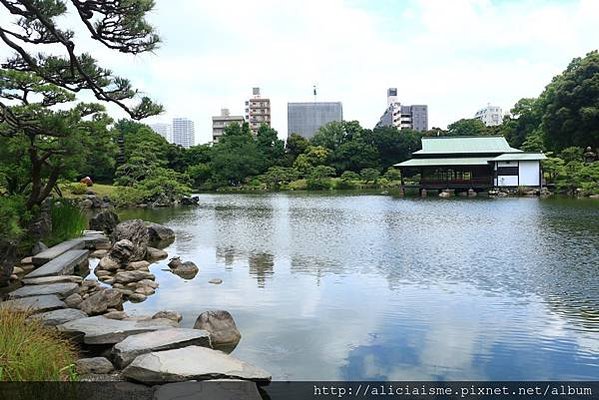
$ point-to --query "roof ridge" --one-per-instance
(463, 137)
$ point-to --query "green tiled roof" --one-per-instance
(434, 162)
(461, 145)
(520, 157)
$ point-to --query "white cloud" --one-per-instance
(454, 56)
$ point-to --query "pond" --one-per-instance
(367, 287)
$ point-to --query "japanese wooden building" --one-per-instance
(479, 163)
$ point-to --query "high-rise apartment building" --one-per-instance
(257, 111)
(183, 132)
(219, 123)
(164, 130)
(403, 117)
(490, 115)
(306, 118)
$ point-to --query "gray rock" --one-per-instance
(155, 254)
(191, 363)
(137, 297)
(57, 317)
(215, 281)
(18, 271)
(160, 236)
(148, 282)
(105, 221)
(135, 231)
(122, 252)
(62, 265)
(186, 270)
(126, 351)
(145, 290)
(73, 300)
(169, 314)
(45, 280)
(99, 254)
(116, 315)
(141, 265)
(27, 260)
(132, 276)
(222, 389)
(101, 301)
(38, 247)
(35, 304)
(56, 251)
(220, 325)
(61, 290)
(95, 365)
(102, 330)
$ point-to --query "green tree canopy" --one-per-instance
(467, 127)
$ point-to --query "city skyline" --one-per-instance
(453, 56)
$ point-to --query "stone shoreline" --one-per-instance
(147, 350)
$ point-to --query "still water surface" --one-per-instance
(378, 288)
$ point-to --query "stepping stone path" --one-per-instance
(35, 304)
(56, 251)
(191, 363)
(57, 317)
(133, 346)
(61, 290)
(44, 280)
(102, 330)
(64, 264)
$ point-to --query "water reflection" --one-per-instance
(372, 287)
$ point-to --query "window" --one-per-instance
(513, 171)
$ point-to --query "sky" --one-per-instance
(455, 56)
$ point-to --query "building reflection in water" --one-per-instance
(261, 267)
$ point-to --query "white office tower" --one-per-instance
(164, 130)
(490, 115)
(183, 132)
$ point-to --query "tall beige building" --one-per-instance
(257, 111)
(219, 123)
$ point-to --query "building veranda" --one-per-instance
(472, 163)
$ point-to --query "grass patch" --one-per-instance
(30, 351)
(100, 189)
(68, 222)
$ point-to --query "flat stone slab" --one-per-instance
(221, 389)
(62, 265)
(61, 290)
(34, 304)
(45, 280)
(58, 250)
(133, 346)
(92, 238)
(102, 330)
(57, 317)
(191, 363)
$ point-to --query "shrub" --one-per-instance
(77, 188)
(300, 184)
(30, 351)
(125, 196)
(350, 176)
(320, 184)
(68, 222)
(392, 174)
(13, 214)
(370, 175)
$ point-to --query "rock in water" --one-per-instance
(95, 365)
(156, 254)
(221, 326)
(61, 290)
(160, 236)
(191, 363)
(133, 346)
(105, 221)
(136, 231)
(186, 270)
(101, 301)
(168, 314)
(122, 251)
